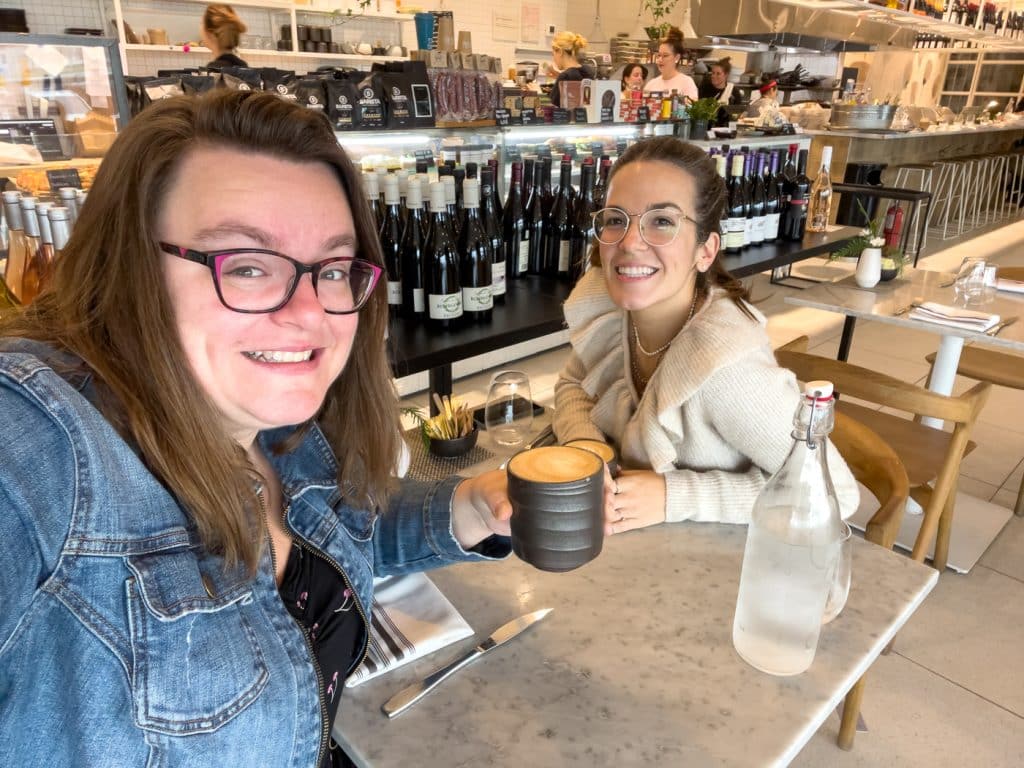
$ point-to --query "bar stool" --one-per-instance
(950, 190)
(919, 177)
(1013, 188)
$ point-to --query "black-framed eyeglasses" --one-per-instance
(257, 281)
(658, 226)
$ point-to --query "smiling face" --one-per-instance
(635, 79)
(655, 281)
(718, 77)
(259, 370)
(666, 60)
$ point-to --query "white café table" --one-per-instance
(888, 303)
(634, 666)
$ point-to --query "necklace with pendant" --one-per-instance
(639, 380)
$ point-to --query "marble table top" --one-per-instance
(634, 666)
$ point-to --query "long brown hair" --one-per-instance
(221, 21)
(109, 305)
(708, 203)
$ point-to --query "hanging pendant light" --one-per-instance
(686, 26)
(639, 29)
(597, 34)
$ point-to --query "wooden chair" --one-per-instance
(929, 455)
(877, 467)
(995, 367)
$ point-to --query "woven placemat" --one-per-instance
(426, 466)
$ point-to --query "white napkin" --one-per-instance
(1006, 284)
(967, 319)
(411, 618)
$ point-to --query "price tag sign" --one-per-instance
(579, 115)
(529, 116)
(425, 154)
(64, 177)
(502, 116)
(560, 116)
(643, 114)
(607, 115)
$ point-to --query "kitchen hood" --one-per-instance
(796, 26)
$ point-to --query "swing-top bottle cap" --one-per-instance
(818, 390)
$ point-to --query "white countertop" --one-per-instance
(1017, 125)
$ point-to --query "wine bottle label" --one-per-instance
(417, 301)
(771, 228)
(498, 278)
(394, 292)
(748, 231)
(524, 254)
(477, 299)
(734, 237)
(757, 230)
(563, 255)
(444, 306)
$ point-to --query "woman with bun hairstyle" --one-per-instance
(669, 55)
(716, 84)
(220, 32)
(565, 51)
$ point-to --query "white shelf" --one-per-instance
(254, 52)
(384, 15)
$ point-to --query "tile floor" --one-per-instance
(952, 691)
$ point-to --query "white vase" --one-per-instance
(869, 268)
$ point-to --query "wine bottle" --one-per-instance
(788, 177)
(476, 257)
(514, 241)
(723, 223)
(757, 200)
(35, 266)
(492, 226)
(736, 211)
(547, 197)
(414, 247)
(748, 193)
(391, 243)
(601, 188)
(454, 214)
(535, 219)
(771, 199)
(582, 232)
(372, 198)
(17, 249)
(796, 216)
(557, 228)
(68, 197)
(820, 203)
(403, 191)
(528, 165)
(496, 205)
(60, 229)
(441, 265)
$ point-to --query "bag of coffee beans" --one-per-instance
(310, 93)
(342, 95)
(369, 102)
(241, 78)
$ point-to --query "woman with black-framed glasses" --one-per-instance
(198, 438)
(669, 362)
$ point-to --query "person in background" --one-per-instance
(199, 434)
(633, 77)
(716, 85)
(565, 51)
(670, 54)
(669, 362)
(221, 31)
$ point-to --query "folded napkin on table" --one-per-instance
(957, 317)
(1006, 284)
(411, 618)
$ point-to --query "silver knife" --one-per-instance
(406, 697)
(999, 326)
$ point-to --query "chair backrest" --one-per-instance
(1011, 273)
(879, 388)
(876, 466)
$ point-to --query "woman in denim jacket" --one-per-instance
(198, 434)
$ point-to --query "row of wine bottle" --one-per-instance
(449, 263)
(36, 233)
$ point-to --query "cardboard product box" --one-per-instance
(570, 94)
(601, 99)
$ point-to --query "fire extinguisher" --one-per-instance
(893, 225)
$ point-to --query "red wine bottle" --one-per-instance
(476, 258)
(492, 226)
(601, 188)
(534, 220)
(443, 287)
(513, 228)
(391, 243)
(582, 231)
(557, 227)
(736, 210)
(796, 216)
(414, 246)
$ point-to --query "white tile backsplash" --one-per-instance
(52, 17)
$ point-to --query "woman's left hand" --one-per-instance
(481, 508)
(638, 501)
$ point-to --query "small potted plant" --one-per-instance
(876, 261)
(660, 9)
(451, 432)
(702, 114)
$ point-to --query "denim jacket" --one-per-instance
(122, 641)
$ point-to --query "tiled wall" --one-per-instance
(54, 16)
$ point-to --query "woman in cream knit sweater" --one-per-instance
(669, 362)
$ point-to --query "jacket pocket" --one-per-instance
(358, 523)
(196, 659)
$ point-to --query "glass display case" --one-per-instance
(62, 101)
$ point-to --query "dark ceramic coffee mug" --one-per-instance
(602, 449)
(557, 495)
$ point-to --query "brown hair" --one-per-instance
(570, 43)
(109, 305)
(725, 64)
(674, 40)
(709, 201)
(628, 70)
(221, 21)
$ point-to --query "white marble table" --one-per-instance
(977, 522)
(635, 665)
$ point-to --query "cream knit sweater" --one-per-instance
(715, 419)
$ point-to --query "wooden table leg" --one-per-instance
(851, 709)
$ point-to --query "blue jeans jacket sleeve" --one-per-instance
(415, 533)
